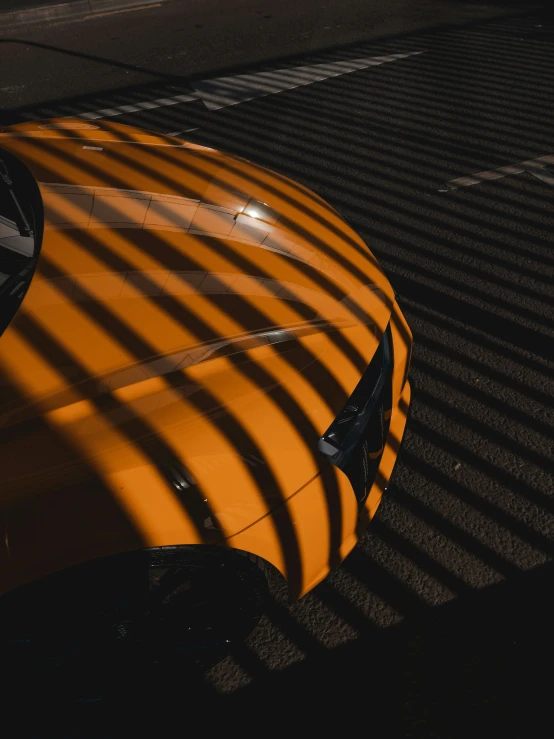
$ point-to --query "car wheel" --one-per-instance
(100, 625)
(189, 603)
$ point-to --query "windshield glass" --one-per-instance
(20, 224)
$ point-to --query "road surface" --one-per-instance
(439, 624)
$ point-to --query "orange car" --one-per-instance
(199, 360)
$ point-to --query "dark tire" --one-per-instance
(108, 624)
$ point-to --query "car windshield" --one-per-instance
(18, 241)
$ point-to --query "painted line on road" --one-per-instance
(541, 173)
(136, 107)
(178, 133)
(532, 166)
(123, 10)
(224, 91)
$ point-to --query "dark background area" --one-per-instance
(200, 38)
(439, 624)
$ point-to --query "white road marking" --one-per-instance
(178, 133)
(123, 10)
(223, 91)
(538, 171)
(147, 105)
(532, 166)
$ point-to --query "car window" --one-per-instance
(20, 231)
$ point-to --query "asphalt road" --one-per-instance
(439, 624)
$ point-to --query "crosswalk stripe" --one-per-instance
(533, 166)
(223, 91)
(136, 107)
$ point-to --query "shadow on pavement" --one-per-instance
(439, 624)
(480, 662)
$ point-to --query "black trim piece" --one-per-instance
(358, 449)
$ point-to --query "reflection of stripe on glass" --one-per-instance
(70, 206)
(260, 178)
(161, 176)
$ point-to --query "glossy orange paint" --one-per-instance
(193, 326)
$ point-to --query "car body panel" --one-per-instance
(193, 326)
(323, 541)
